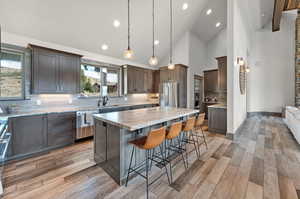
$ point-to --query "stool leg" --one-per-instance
(151, 162)
(195, 145)
(164, 162)
(182, 155)
(204, 138)
(147, 167)
(129, 166)
(170, 162)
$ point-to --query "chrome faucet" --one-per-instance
(103, 101)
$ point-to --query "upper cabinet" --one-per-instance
(222, 65)
(139, 80)
(211, 80)
(55, 71)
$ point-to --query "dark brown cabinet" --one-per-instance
(29, 134)
(61, 129)
(211, 81)
(222, 76)
(54, 71)
(217, 120)
(156, 81)
(39, 133)
(139, 80)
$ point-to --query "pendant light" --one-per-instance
(153, 60)
(171, 66)
(128, 53)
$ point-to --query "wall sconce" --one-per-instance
(240, 61)
(247, 69)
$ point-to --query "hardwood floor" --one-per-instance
(264, 162)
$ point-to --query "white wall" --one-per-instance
(271, 82)
(239, 44)
(216, 47)
(180, 52)
(197, 61)
(189, 51)
(19, 40)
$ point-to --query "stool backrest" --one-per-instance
(174, 130)
(155, 138)
(200, 120)
(190, 123)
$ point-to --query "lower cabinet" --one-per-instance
(39, 133)
(61, 129)
(217, 120)
(29, 134)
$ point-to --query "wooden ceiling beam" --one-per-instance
(277, 13)
(292, 5)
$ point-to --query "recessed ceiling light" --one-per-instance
(104, 47)
(185, 6)
(209, 11)
(263, 15)
(156, 42)
(116, 23)
(218, 24)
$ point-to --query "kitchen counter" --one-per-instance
(113, 131)
(70, 109)
(223, 106)
(141, 118)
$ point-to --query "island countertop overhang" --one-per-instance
(137, 119)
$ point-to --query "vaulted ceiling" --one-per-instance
(86, 25)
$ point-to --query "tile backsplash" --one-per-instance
(40, 102)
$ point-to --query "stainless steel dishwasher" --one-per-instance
(85, 124)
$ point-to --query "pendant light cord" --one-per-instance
(171, 31)
(128, 24)
(153, 54)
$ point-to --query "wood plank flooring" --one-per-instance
(262, 163)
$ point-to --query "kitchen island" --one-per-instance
(114, 130)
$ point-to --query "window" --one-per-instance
(112, 83)
(90, 80)
(11, 75)
(95, 78)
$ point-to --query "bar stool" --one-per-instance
(189, 137)
(154, 139)
(198, 127)
(173, 134)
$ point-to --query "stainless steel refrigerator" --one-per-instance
(169, 94)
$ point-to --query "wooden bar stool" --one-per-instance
(198, 130)
(189, 137)
(173, 134)
(154, 139)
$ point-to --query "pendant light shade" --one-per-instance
(128, 53)
(153, 61)
(171, 66)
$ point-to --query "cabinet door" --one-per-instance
(61, 129)
(130, 80)
(29, 134)
(69, 67)
(156, 81)
(222, 64)
(45, 71)
(140, 80)
(211, 80)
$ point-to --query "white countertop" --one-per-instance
(142, 118)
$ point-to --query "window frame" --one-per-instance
(22, 54)
(101, 66)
